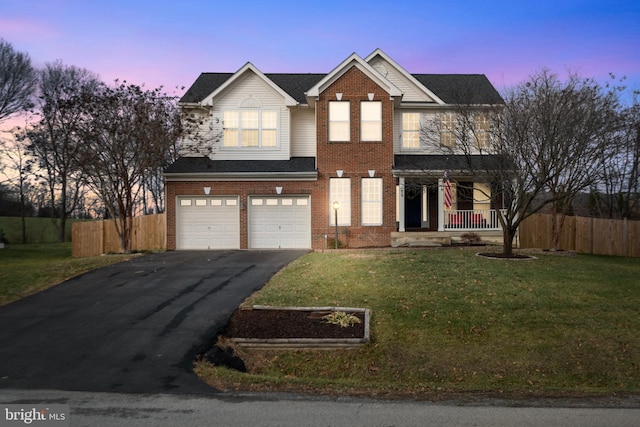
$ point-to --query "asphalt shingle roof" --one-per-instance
(439, 163)
(451, 88)
(461, 88)
(206, 165)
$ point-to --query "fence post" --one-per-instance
(102, 237)
(625, 237)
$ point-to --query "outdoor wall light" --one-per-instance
(336, 206)
(207, 190)
(278, 190)
(339, 173)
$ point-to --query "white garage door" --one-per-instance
(277, 222)
(208, 223)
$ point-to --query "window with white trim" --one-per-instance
(339, 127)
(411, 130)
(481, 125)
(448, 125)
(371, 121)
(371, 201)
(250, 128)
(340, 191)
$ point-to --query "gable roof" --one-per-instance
(450, 88)
(353, 61)
(410, 79)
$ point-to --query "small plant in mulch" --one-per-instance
(341, 318)
(471, 238)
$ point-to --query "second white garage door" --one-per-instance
(280, 222)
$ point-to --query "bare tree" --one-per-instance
(126, 131)
(21, 165)
(617, 192)
(574, 119)
(17, 80)
(53, 140)
(540, 148)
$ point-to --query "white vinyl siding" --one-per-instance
(372, 201)
(340, 191)
(303, 133)
(371, 121)
(411, 92)
(236, 98)
(339, 123)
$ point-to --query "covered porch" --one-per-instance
(421, 206)
(438, 201)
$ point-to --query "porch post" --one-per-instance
(401, 205)
(440, 204)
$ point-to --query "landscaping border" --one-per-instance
(308, 343)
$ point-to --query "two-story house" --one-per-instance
(275, 159)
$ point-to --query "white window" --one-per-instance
(250, 128)
(481, 130)
(371, 121)
(448, 125)
(371, 201)
(340, 191)
(339, 129)
(411, 130)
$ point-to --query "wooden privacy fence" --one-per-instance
(93, 238)
(619, 237)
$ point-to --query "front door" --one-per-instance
(413, 211)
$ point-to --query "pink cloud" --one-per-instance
(26, 30)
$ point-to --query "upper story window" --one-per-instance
(250, 128)
(339, 128)
(448, 125)
(371, 121)
(410, 130)
(481, 125)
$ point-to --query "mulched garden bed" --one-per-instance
(274, 324)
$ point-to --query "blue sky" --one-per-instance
(169, 43)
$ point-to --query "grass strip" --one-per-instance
(26, 269)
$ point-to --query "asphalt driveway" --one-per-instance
(134, 327)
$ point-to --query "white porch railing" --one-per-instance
(476, 219)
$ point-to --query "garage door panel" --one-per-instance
(207, 223)
(280, 222)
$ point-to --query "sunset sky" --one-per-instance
(169, 43)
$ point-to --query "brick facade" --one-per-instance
(355, 158)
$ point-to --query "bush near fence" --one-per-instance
(598, 236)
(93, 238)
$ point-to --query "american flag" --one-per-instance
(447, 190)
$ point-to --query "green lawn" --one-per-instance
(446, 321)
(38, 230)
(25, 269)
